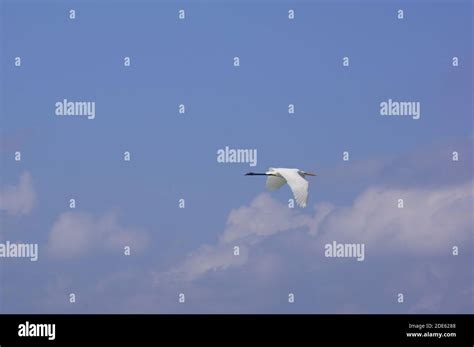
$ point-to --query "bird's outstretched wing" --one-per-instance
(298, 185)
(275, 182)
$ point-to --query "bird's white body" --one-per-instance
(277, 177)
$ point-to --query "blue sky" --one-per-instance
(174, 156)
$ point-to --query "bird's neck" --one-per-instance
(255, 174)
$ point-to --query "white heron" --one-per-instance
(295, 178)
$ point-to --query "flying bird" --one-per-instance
(277, 177)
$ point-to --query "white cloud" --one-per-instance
(432, 221)
(204, 259)
(18, 199)
(78, 233)
(262, 218)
